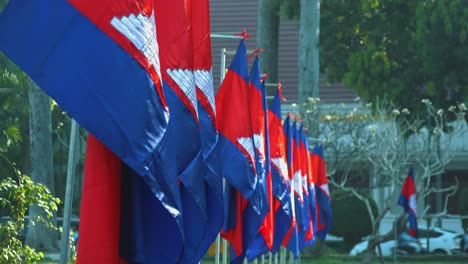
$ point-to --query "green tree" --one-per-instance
(400, 50)
(369, 151)
(14, 112)
(3, 3)
(351, 220)
(16, 196)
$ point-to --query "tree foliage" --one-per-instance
(385, 140)
(399, 50)
(350, 217)
(395, 49)
(14, 115)
(17, 196)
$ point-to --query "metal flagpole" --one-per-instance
(291, 258)
(222, 73)
(64, 247)
(218, 238)
(283, 256)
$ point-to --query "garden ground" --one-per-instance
(344, 259)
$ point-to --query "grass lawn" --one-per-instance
(343, 259)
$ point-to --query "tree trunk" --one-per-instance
(309, 30)
(267, 36)
(39, 236)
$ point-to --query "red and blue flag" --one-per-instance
(236, 146)
(235, 143)
(207, 119)
(100, 62)
(185, 162)
(322, 194)
(105, 74)
(291, 239)
(308, 187)
(256, 208)
(259, 227)
(282, 204)
(408, 201)
(302, 212)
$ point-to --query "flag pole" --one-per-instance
(315, 139)
(291, 258)
(222, 73)
(225, 36)
(283, 256)
(64, 247)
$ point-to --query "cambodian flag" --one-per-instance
(282, 203)
(302, 212)
(291, 239)
(255, 211)
(100, 62)
(177, 69)
(207, 118)
(322, 194)
(307, 186)
(259, 227)
(235, 143)
(236, 146)
(408, 201)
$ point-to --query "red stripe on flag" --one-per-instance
(99, 229)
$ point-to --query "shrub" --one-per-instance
(350, 217)
(16, 196)
(463, 206)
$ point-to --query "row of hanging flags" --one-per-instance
(137, 75)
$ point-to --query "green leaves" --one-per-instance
(399, 50)
(17, 196)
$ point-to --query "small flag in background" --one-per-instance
(291, 239)
(324, 216)
(233, 122)
(235, 145)
(259, 225)
(279, 170)
(302, 213)
(308, 187)
(408, 201)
